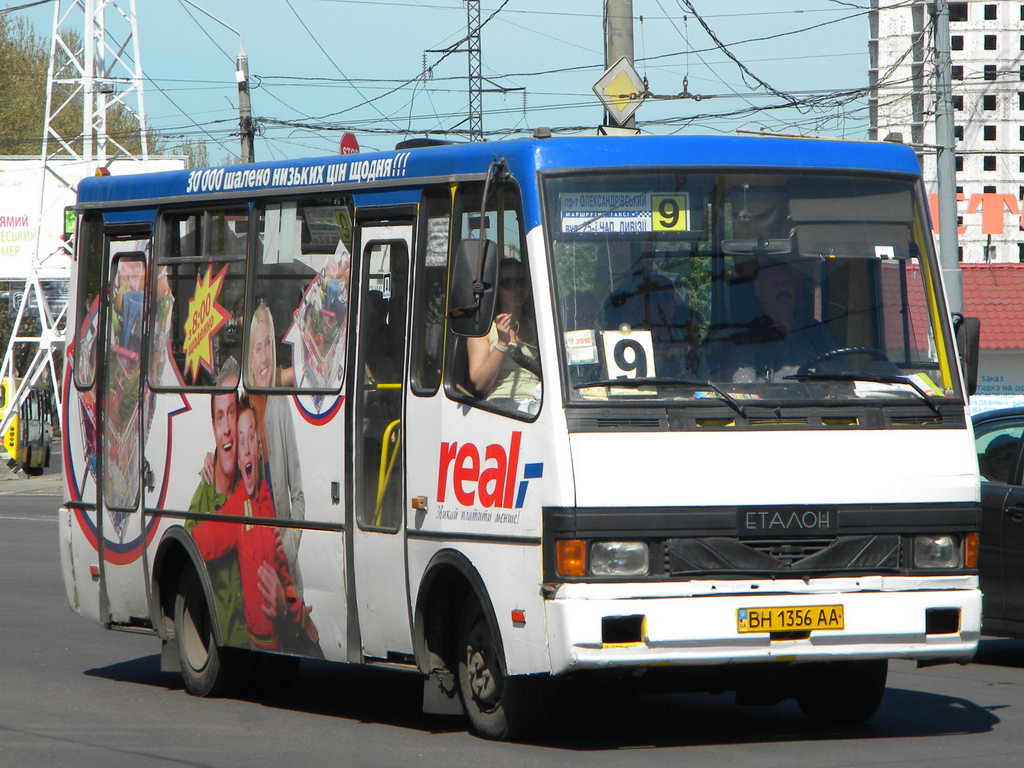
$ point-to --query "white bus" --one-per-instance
(506, 413)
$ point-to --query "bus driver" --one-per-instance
(783, 333)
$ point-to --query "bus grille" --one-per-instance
(790, 551)
(711, 555)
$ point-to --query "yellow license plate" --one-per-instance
(799, 619)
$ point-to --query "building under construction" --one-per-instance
(987, 53)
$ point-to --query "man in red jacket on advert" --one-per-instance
(275, 617)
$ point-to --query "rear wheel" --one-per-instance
(498, 706)
(206, 668)
(842, 693)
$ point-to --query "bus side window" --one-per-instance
(298, 321)
(199, 297)
(431, 284)
(501, 370)
(90, 273)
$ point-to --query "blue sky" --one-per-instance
(331, 65)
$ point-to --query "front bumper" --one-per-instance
(694, 623)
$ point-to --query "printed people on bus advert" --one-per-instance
(218, 479)
(251, 576)
(275, 617)
(276, 432)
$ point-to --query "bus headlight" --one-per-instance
(936, 551)
(619, 558)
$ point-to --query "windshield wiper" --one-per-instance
(879, 378)
(641, 381)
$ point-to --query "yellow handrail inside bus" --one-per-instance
(387, 464)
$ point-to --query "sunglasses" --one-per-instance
(508, 283)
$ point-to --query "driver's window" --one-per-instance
(501, 370)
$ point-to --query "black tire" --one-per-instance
(206, 668)
(842, 693)
(498, 707)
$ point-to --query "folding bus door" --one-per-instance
(120, 426)
(381, 591)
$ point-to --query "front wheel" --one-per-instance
(842, 693)
(498, 706)
(206, 668)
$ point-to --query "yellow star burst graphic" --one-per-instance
(205, 317)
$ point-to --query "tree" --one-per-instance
(195, 152)
(24, 65)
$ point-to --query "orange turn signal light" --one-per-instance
(971, 544)
(571, 557)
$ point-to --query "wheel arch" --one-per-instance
(448, 580)
(175, 552)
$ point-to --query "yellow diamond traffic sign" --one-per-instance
(620, 90)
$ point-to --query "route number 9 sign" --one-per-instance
(629, 354)
(668, 213)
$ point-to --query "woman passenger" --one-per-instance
(504, 366)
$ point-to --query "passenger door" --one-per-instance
(120, 428)
(998, 444)
(378, 465)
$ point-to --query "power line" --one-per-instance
(23, 6)
(334, 63)
(596, 15)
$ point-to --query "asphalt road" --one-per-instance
(72, 693)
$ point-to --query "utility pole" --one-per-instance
(945, 161)
(246, 128)
(475, 81)
(618, 42)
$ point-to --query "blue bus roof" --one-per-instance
(410, 168)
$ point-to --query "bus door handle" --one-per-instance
(1015, 513)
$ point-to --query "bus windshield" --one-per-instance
(676, 286)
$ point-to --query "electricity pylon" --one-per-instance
(94, 68)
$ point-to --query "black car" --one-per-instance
(998, 441)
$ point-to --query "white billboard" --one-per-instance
(32, 202)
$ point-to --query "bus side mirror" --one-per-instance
(968, 342)
(472, 304)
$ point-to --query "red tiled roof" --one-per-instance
(995, 294)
